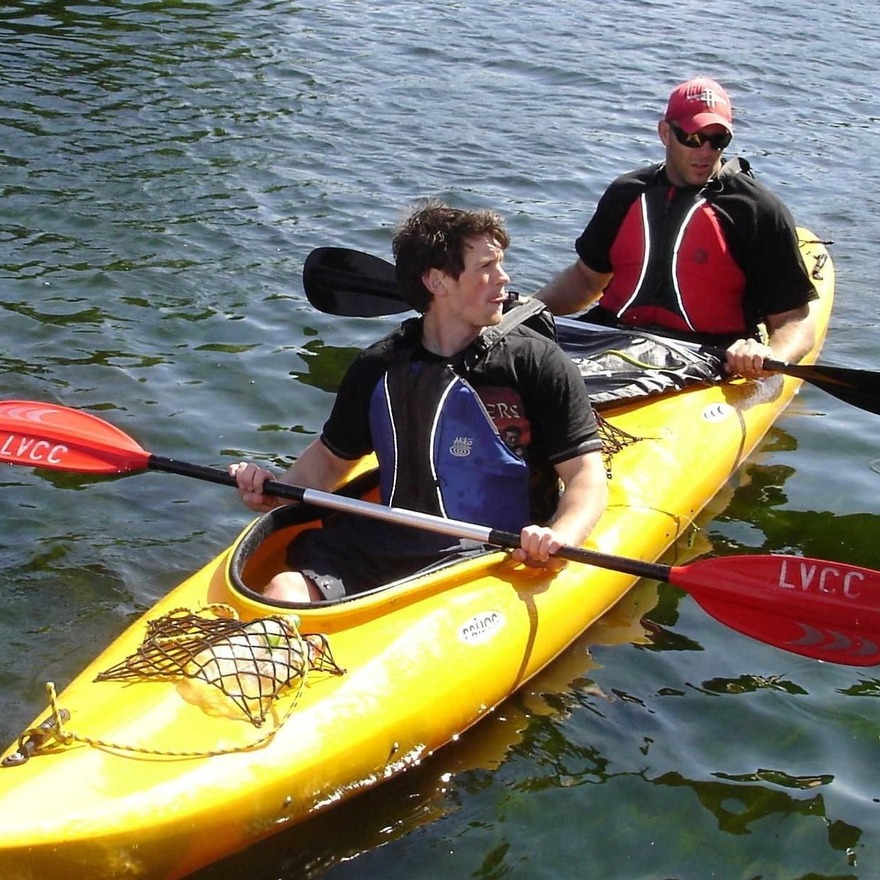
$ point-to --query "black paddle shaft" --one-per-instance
(413, 518)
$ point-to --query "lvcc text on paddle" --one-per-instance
(31, 449)
(808, 576)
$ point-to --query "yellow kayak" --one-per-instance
(217, 719)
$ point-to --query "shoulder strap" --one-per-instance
(527, 310)
(736, 165)
(521, 310)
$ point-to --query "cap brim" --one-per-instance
(701, 120)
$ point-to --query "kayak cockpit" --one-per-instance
(260, 552)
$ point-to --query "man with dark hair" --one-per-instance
(694, 246)
(435, 237)
(432, 400)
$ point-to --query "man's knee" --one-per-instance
(291, 586)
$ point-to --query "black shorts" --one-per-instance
(351, 554)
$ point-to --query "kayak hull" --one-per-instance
(143, 780)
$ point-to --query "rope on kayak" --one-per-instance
(613, 440)
(225, 666)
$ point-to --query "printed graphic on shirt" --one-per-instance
(505, 408)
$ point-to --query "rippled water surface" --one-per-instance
(167, 166)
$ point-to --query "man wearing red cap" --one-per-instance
(694, 246)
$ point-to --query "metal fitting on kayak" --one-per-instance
(35, 738)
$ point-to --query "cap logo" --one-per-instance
(707, 97)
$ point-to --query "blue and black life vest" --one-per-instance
(439, 451)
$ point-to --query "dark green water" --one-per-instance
(167, 167)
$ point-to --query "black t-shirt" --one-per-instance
(758, 227)
(531, 389)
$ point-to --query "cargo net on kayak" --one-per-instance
(613, 440)
(224, 665)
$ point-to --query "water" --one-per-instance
(167, 167)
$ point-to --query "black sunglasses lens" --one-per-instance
(718, 141)
(696, 139)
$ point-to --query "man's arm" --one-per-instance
(573, 289)
(791, 335)
(581, 505)
(316, 468)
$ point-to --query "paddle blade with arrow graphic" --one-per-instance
(824, 610)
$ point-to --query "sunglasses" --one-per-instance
(696, 139)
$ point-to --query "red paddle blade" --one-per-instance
(45, 435)
(825, 610)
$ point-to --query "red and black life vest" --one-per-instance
(673, 267)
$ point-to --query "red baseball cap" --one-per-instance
(697, 103)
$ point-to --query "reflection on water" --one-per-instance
(325, 364)
(759, 519)
(745, 684)
(738, 806)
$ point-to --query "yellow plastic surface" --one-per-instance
(424, 661)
